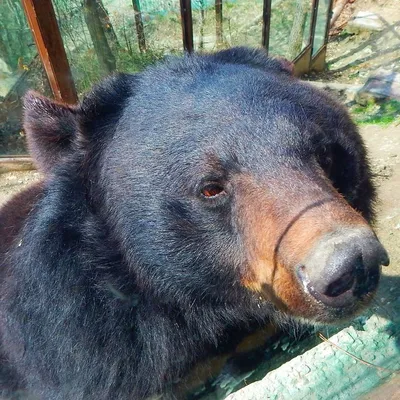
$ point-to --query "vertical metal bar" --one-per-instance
(313, 24)
(318, 60)
(187, 25)
(266, 24)
(43, 23)
(328, 22)
(218, 23)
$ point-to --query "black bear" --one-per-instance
(199, 195)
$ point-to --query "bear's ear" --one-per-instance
(103, 105)
(50, 129)
(257, 58)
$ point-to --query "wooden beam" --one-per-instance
(43, 23)
(318, 61)
(16, 163)
(302, 63)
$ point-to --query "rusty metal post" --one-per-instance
(43, 23)
(266, 24)
(187, 25)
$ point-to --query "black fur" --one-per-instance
(122, 276)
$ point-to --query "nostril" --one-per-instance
(341, 285)
(344, 269)
(337, 294)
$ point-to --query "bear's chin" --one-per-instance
(320, 314)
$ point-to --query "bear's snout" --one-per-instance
(343, 267)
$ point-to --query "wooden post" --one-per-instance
(43, 23)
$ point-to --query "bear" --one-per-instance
(200, 195)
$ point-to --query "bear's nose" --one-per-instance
(343, 267)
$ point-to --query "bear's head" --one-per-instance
(224, 180)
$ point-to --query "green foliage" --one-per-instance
(136, 62)
(86, 70)
(383, 113)
(16, 48)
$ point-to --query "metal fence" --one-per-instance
(43, 22)
(295, 29)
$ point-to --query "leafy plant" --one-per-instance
(383, 113)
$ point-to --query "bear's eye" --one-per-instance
(212, 190)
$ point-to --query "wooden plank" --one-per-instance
(302, 62)
(318, 61)
(16, 163)
(43, 23)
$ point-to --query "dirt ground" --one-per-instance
(13, 182)
(384, 148)
(353, 55)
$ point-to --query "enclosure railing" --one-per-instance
(295, 29)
